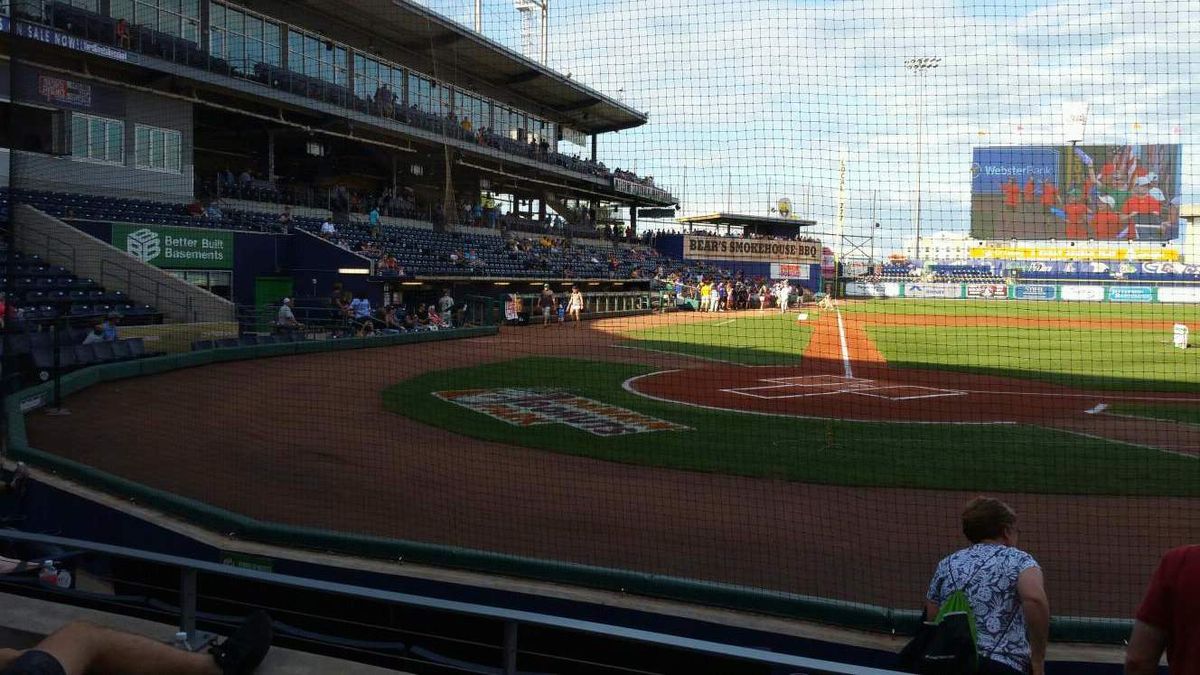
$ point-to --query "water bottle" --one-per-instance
(48, 574)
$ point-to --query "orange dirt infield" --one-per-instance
(854, 383)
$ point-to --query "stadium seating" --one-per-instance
(421, 252)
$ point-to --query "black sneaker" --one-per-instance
(246, 648)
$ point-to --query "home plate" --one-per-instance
(1099, 408)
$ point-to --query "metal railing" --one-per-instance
(191, 571)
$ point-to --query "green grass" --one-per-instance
(1122, 360)
(770, 339)
(1029, 309)
(979, 458)
(1159, 411)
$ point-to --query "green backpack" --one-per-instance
(948, 645)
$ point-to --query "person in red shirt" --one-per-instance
(1106, 222)
(1169, 617)
(1030, 189)
(1077, 215)
(1011, 193)
(1049, 193)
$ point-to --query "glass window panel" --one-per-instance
(216, 43)
(272, 55)
(79, 135)
(254, 52)
(116, 141)
(174, 151)
(233, 20)
(141, 146)
(216, 15)
(96, 141)
(122, 9)
(254, 27)
(237, 50)
(191, 31)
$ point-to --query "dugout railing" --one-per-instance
(171, 588)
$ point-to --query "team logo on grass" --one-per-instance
(532, 407)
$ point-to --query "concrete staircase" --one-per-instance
(60, 244)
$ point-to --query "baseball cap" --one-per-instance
(1143, 181)
(286, 300)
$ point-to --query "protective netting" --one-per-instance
(838, 269)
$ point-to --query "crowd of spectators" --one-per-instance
(351, 315)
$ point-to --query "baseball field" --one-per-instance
(824, 453)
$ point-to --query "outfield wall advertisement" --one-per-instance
(1081, 192)
(1070, 292)
(697, 247)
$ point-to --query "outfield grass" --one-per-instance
(770, 339)
(1159, 411)
(979, 458)
(1031, 309)
(1120, 360)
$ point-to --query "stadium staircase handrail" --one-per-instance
(189, 570)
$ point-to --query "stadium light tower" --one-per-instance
(527, 8)
(921, 66)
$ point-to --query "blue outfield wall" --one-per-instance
(1129, 293)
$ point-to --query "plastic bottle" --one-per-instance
(48, 574)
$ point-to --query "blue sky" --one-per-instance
(753, 100)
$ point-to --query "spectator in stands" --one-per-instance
(422, 317)
(445, 304)
(1005, 588)
(328, 229)
(285, 220)
(95, 335)
(226, 182)
(1168, 619)
(388, 266)
(373, 221)
(80, 647)
(360, 311)
(110, 326)
(546, 303)
(122, 32)
(3, 309)
(385, 100)
(285, 320)
(245, 182)
(390, 323)
(214, 213)
(195, 209)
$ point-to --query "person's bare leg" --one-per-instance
(83, 647)
(7, 656)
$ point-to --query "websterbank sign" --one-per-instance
(175, 247)
(751, 250)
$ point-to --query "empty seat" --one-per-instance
(104, 351)
(248, 340)
(228, 342)
(121, 350)
(85, 355)
(137, 348)
(198, 345)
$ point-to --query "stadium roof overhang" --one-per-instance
(741, 220)
(424, 40)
